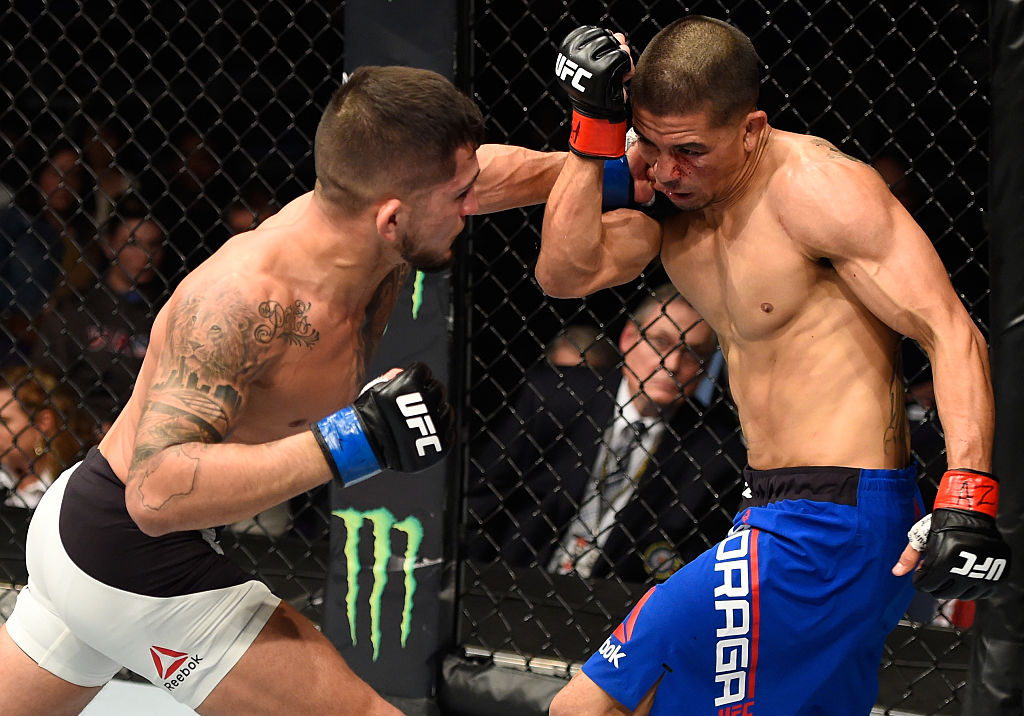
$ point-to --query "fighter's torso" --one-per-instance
(814, 374)
(308, 353)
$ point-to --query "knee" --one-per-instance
(560, 705)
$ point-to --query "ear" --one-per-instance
(629, 337)
(752, 128)
(388, 215)
(108, 249)
(46, 421)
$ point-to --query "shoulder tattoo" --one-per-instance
(286, 322)
(833, 151)
(215, 346)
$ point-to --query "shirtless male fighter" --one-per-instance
(808, 269)
(271, 334)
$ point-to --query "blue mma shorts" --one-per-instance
(787, 615)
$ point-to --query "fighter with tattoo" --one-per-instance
(248, 396)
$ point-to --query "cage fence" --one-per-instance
(141, 136)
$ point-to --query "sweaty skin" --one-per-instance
(275, 331)
(807, 269)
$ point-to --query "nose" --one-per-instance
(665, 169)
(676, 364)
(470, 205)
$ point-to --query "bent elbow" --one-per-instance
(150, 522)
(560, 283)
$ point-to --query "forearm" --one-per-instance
(571, 233)
(963, 396)
(196, 485)
(514, 176)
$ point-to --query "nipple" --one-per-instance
(767, 307)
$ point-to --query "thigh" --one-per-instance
(292, 668)
(27, 689)
(582, 697)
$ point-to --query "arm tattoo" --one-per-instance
(215, 346)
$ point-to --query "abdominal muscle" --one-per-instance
(805, 398)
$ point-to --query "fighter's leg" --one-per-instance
(292, 668)
(582, 697)
(26, 689)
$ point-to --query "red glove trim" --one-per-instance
(968, 490)
(598, 138)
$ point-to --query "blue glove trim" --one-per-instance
(344, 443)
(618, 184)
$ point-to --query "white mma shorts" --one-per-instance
(84, 631)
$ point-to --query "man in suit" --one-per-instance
(623, 474)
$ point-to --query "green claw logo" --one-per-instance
(383, 522)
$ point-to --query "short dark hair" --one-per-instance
(128, 208)
(698, 64)
(391, 130)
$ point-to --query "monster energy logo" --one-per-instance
(417, 295)
(383, 523)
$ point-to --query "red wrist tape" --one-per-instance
(966, 490)
(599, 138)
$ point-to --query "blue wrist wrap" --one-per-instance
(617, 184)
(344, 442)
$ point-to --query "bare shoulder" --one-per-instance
(828, 201)
(218, 333)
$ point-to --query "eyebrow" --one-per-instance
(685, 145)
(468, 186)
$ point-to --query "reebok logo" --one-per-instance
(991, 569)
(178, 664)
(611, 652)
(415, 412)
(564, 68)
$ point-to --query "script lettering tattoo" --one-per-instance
(288, 323)
(378, 310)
(212, 351)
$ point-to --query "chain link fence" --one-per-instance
(140, 136)
(899, 84)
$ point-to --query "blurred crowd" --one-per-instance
(94, 236)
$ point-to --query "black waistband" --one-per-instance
(103, 540)
(837, 485)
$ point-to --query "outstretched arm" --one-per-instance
(514, 176)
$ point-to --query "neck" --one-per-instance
(340, 243)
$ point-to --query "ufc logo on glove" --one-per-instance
(415, 412)
(991, 568)
(564, 68)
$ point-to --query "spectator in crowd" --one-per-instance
(97, 341)
(254, 205)
(194, 190)
(100, 150)
(620, 474)
(35, 235)
(41, 433)
(581, 344)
